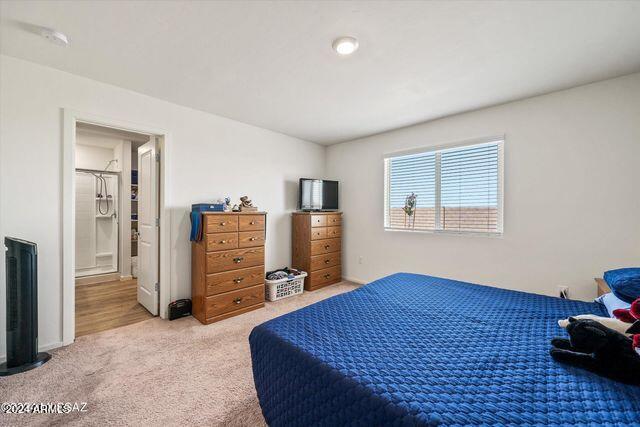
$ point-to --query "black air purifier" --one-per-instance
(22, 308)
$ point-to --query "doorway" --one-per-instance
(116, 212)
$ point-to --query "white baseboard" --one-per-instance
(354, 280)
(46, 347)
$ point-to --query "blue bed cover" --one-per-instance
(410, 349)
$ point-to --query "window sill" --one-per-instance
(493, 235)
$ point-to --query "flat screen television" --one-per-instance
(318, 195)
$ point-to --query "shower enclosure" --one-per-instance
(96, 222)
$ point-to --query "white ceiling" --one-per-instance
(270, 64)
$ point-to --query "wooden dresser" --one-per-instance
(316, 246)
(603, 288)
(227, 265)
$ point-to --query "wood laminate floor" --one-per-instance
(103, 306)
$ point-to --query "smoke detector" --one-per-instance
(54, 36)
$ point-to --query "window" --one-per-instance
(456, 189)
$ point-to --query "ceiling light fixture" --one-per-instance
(54, 36)
(345, 45)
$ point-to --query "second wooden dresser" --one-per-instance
(316, 246)
(227, 265)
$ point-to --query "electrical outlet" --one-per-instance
(563, 292)
(360, 259)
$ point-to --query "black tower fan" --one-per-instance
(22, 308)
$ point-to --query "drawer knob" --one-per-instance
(252, 223)
(223, 223)
(237, 300)
(223, 242)
(238, 259)
(326, 261)
(238, 280)
(327, 246)
(326, 276)
(251, 239)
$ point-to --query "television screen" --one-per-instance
(318, 195)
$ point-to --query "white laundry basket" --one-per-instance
(283, 288)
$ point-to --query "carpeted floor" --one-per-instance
(155, 372)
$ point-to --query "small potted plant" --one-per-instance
(410, 209)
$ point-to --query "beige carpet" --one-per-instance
(155, 372)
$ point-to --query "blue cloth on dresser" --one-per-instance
(419, 350)
(195, 235)
(196, 226)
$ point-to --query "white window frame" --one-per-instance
(438, 149)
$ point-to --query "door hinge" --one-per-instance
(158, 156)
(157, 287)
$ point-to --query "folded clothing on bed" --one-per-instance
(418, 350)
(624, 283)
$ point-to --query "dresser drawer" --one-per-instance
(318, 233)
(319, 262)
(235, 300)
(248, 239)
(327, 275)
(250, 222)
(220, 223)
(234, 259)
(333, 232)
(220, 241)
(334, 220)
(319, 247)
(318, 220)
(233, 280)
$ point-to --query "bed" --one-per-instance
(418, 350)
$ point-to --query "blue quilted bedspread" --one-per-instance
(418, 350)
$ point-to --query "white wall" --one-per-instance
(572, 207)
(90, 157)
(210, 157)
(123, 154)
(571, 176)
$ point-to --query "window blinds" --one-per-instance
(457, 189)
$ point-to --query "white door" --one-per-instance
(148, 227)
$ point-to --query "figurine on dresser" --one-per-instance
(246, 205)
